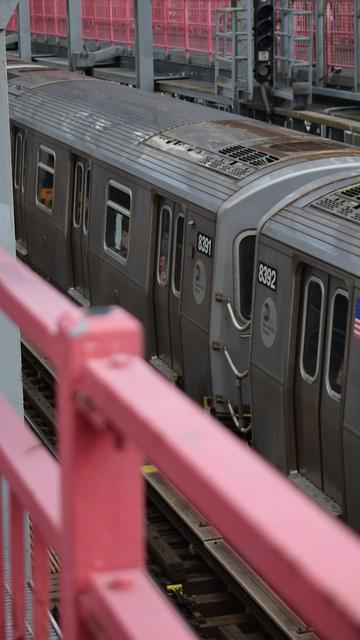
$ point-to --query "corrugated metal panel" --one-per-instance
(323, 236)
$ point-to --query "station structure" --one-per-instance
(202, 50)
(89, 505)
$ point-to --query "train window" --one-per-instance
(18, 160)
(164, 245)
(87, 200)
(78, 194)
(336, 343)
(178, 253)
(45, 178)
(118, 209)
(119, 196)
(311, 328)
(244, 253)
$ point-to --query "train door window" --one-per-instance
(244, 254)
(23, 169)
(45, 178)
(78, 193)
(18, 159)
(178, 253)
(336, 343)
(164, 241)
(311, 328)
(87, 200)
(118, 210)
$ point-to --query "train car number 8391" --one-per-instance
(204, 244)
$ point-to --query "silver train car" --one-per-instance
(153, 204)
(305, 350)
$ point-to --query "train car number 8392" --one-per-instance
(267, 276)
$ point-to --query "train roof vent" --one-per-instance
(11, 75)
(352, 192)
(339, 205)
(211, 160)
(248, 155)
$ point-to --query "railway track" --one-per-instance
(217, 594)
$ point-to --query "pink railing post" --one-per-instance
(166, 26)
(127, 23)
(2, 564)
(97, 477)
(40, 577)
(17, 566)
(111, 16)
(186, 29)
(209, 30)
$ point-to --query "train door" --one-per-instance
(318, 380)
(80, 208)
(19, 187)
(167, 282)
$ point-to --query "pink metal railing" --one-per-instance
(113, 409)
(340, 23)
(188, 25)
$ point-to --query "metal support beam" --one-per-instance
(10, 371)
(144, 45)
(74, 30)
(88, 59)
(24, 29)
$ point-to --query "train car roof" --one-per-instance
(327, 228)
(200, 154)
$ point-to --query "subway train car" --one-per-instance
(305, 351)
(151, 203)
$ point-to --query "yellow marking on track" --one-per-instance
(174, 588)
(149, 468)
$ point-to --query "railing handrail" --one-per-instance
(112, 408)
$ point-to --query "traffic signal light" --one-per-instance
(263, 39)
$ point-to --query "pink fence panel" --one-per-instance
(12, 26)
(48, 17)
(108, 20)
(160, 24)
(176, 22)
(302, 28)
(123, 22)
(340, 22)
(37, 16)
(201, 24)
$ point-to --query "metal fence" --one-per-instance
(185, 25)
(189, 25)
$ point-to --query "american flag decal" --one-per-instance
(357, 319)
